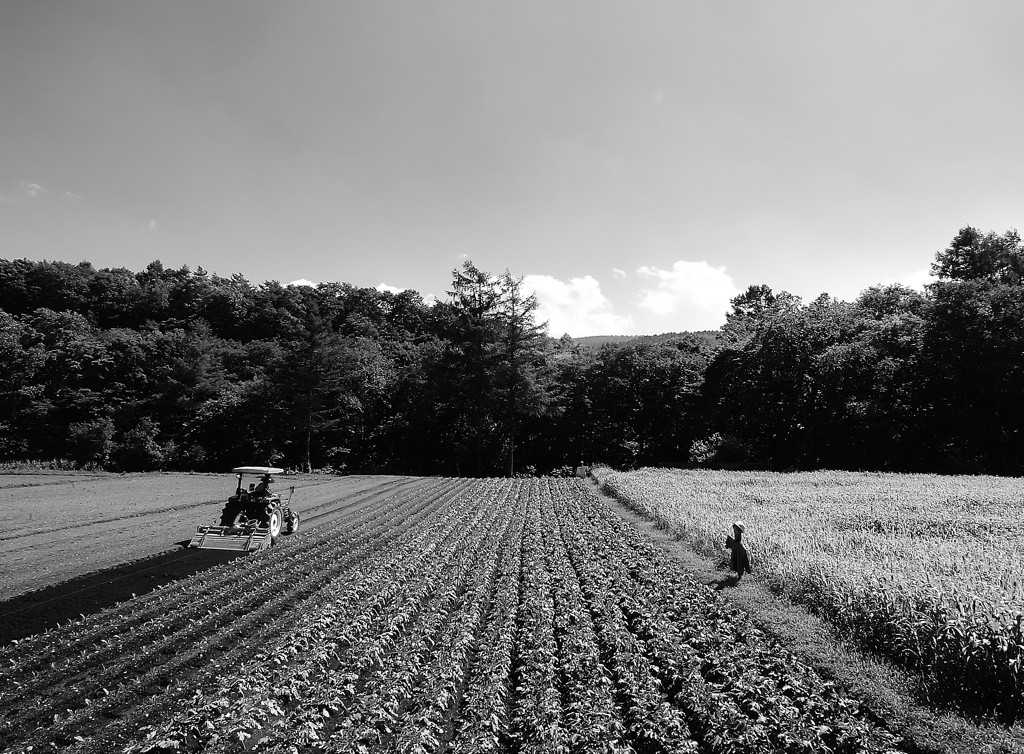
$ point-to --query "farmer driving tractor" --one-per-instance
(253, 518)
(251, 503)
(263, 488)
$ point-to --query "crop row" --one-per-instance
(136, 621)
(506, 616)
(59, 685)
(903, 575)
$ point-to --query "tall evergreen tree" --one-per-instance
(523, 379)
(471, 333)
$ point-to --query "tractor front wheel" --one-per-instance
(291, 522)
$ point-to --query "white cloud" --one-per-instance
(32, 189)
(695, 295)
(577, 307)
(152, 225)
(916, 280)
(619, 273)
(303, 281)
(430, 299)
(71, 196)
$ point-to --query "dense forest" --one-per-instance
(180, 369)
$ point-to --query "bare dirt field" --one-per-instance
(76, 543)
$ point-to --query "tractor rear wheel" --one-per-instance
(276, 519)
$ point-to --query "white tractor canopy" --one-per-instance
(256, 470)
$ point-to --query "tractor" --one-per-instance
(253, 518)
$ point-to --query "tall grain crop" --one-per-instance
(925, 570)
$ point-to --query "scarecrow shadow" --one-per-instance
(724, 582)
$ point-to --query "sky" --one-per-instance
(637, 163)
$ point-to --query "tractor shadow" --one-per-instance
(43, 609)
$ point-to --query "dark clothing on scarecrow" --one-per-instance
(739, 561)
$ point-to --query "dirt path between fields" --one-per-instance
(60, 576)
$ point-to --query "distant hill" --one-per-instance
(596, 341)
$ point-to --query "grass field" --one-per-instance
(927, 570)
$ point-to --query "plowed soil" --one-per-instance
(77, 543)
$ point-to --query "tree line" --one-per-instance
(181, 369)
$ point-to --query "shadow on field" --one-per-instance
(37, 611)
(724, 582)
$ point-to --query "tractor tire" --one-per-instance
(274, 524)
(291, 522)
